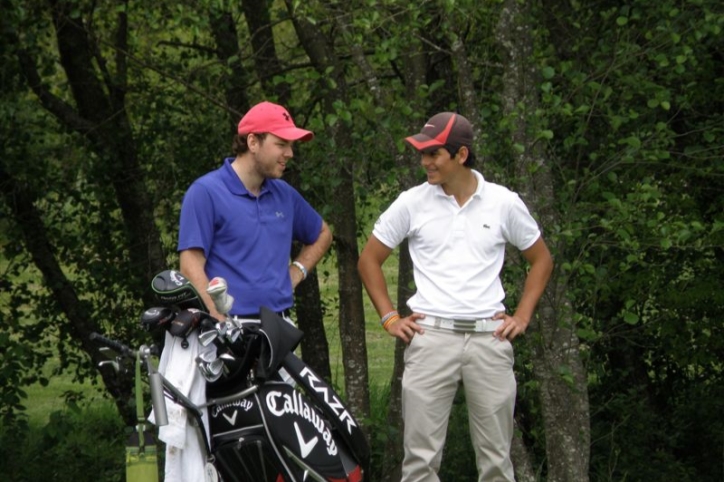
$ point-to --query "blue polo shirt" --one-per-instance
(247, 239)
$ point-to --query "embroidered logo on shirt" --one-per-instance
(486, 226)
(280, 214)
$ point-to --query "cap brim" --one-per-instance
(293, 134)
(421, 142)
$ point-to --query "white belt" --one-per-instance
(484, 325)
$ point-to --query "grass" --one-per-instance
(380, 345)
(44, 400)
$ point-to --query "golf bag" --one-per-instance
(262, 429)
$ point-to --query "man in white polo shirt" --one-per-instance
(457, 226)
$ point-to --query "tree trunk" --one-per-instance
(564, 400)
(343, 217)
(111, 136)
(223, 30)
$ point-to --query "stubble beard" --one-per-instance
(267, 171)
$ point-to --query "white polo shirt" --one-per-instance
(457, 252)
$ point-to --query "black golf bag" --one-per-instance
(262, 428)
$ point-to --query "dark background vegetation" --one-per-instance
(606, 116)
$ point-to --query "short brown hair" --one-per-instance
(239, 145)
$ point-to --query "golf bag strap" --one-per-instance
(139, 405)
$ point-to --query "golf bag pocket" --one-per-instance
(307, 442)
(248, 458)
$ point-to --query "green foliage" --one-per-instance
(79, 444)
(630, 117)
(379, 430)
(633, 146)
(458, 461)
(678, 445)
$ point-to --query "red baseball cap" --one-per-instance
(274, 119)
(445, 128)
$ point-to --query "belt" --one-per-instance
(484, 325)
(255, 316)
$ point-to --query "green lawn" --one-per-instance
(42, 401)
(380, 345)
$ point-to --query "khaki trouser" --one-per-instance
(435, 363)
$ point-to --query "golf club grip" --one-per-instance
(113, 344)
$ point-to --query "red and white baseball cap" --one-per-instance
(445, 128)
(274, 119)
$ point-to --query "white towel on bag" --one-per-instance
(185, 453)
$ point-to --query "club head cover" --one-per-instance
(279, 337)
(157, 317)
(174, 290)
(218, 291)
(185, 322)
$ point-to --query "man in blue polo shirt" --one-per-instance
(238, 222)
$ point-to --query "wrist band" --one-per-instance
(387, 317)
(391, 321)
(301, 268)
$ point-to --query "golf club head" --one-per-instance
(233, 334)
(207, 337)
(174, 290)
(218, 291)
(209, 374)
(216, 368)
(236, 322)
(112, 363)
(206, 357)
(204, 372)
(222, 327)
(185, 322)
(227, 357)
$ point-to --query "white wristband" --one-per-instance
(301, 268)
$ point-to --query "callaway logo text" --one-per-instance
(280, 404)
(244, 404)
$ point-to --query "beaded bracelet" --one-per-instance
(301, 268)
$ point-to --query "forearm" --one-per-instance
(375, 284)
(535, 282)
(380, 297)
(533, 289)
(192, 263)
(310, 255)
